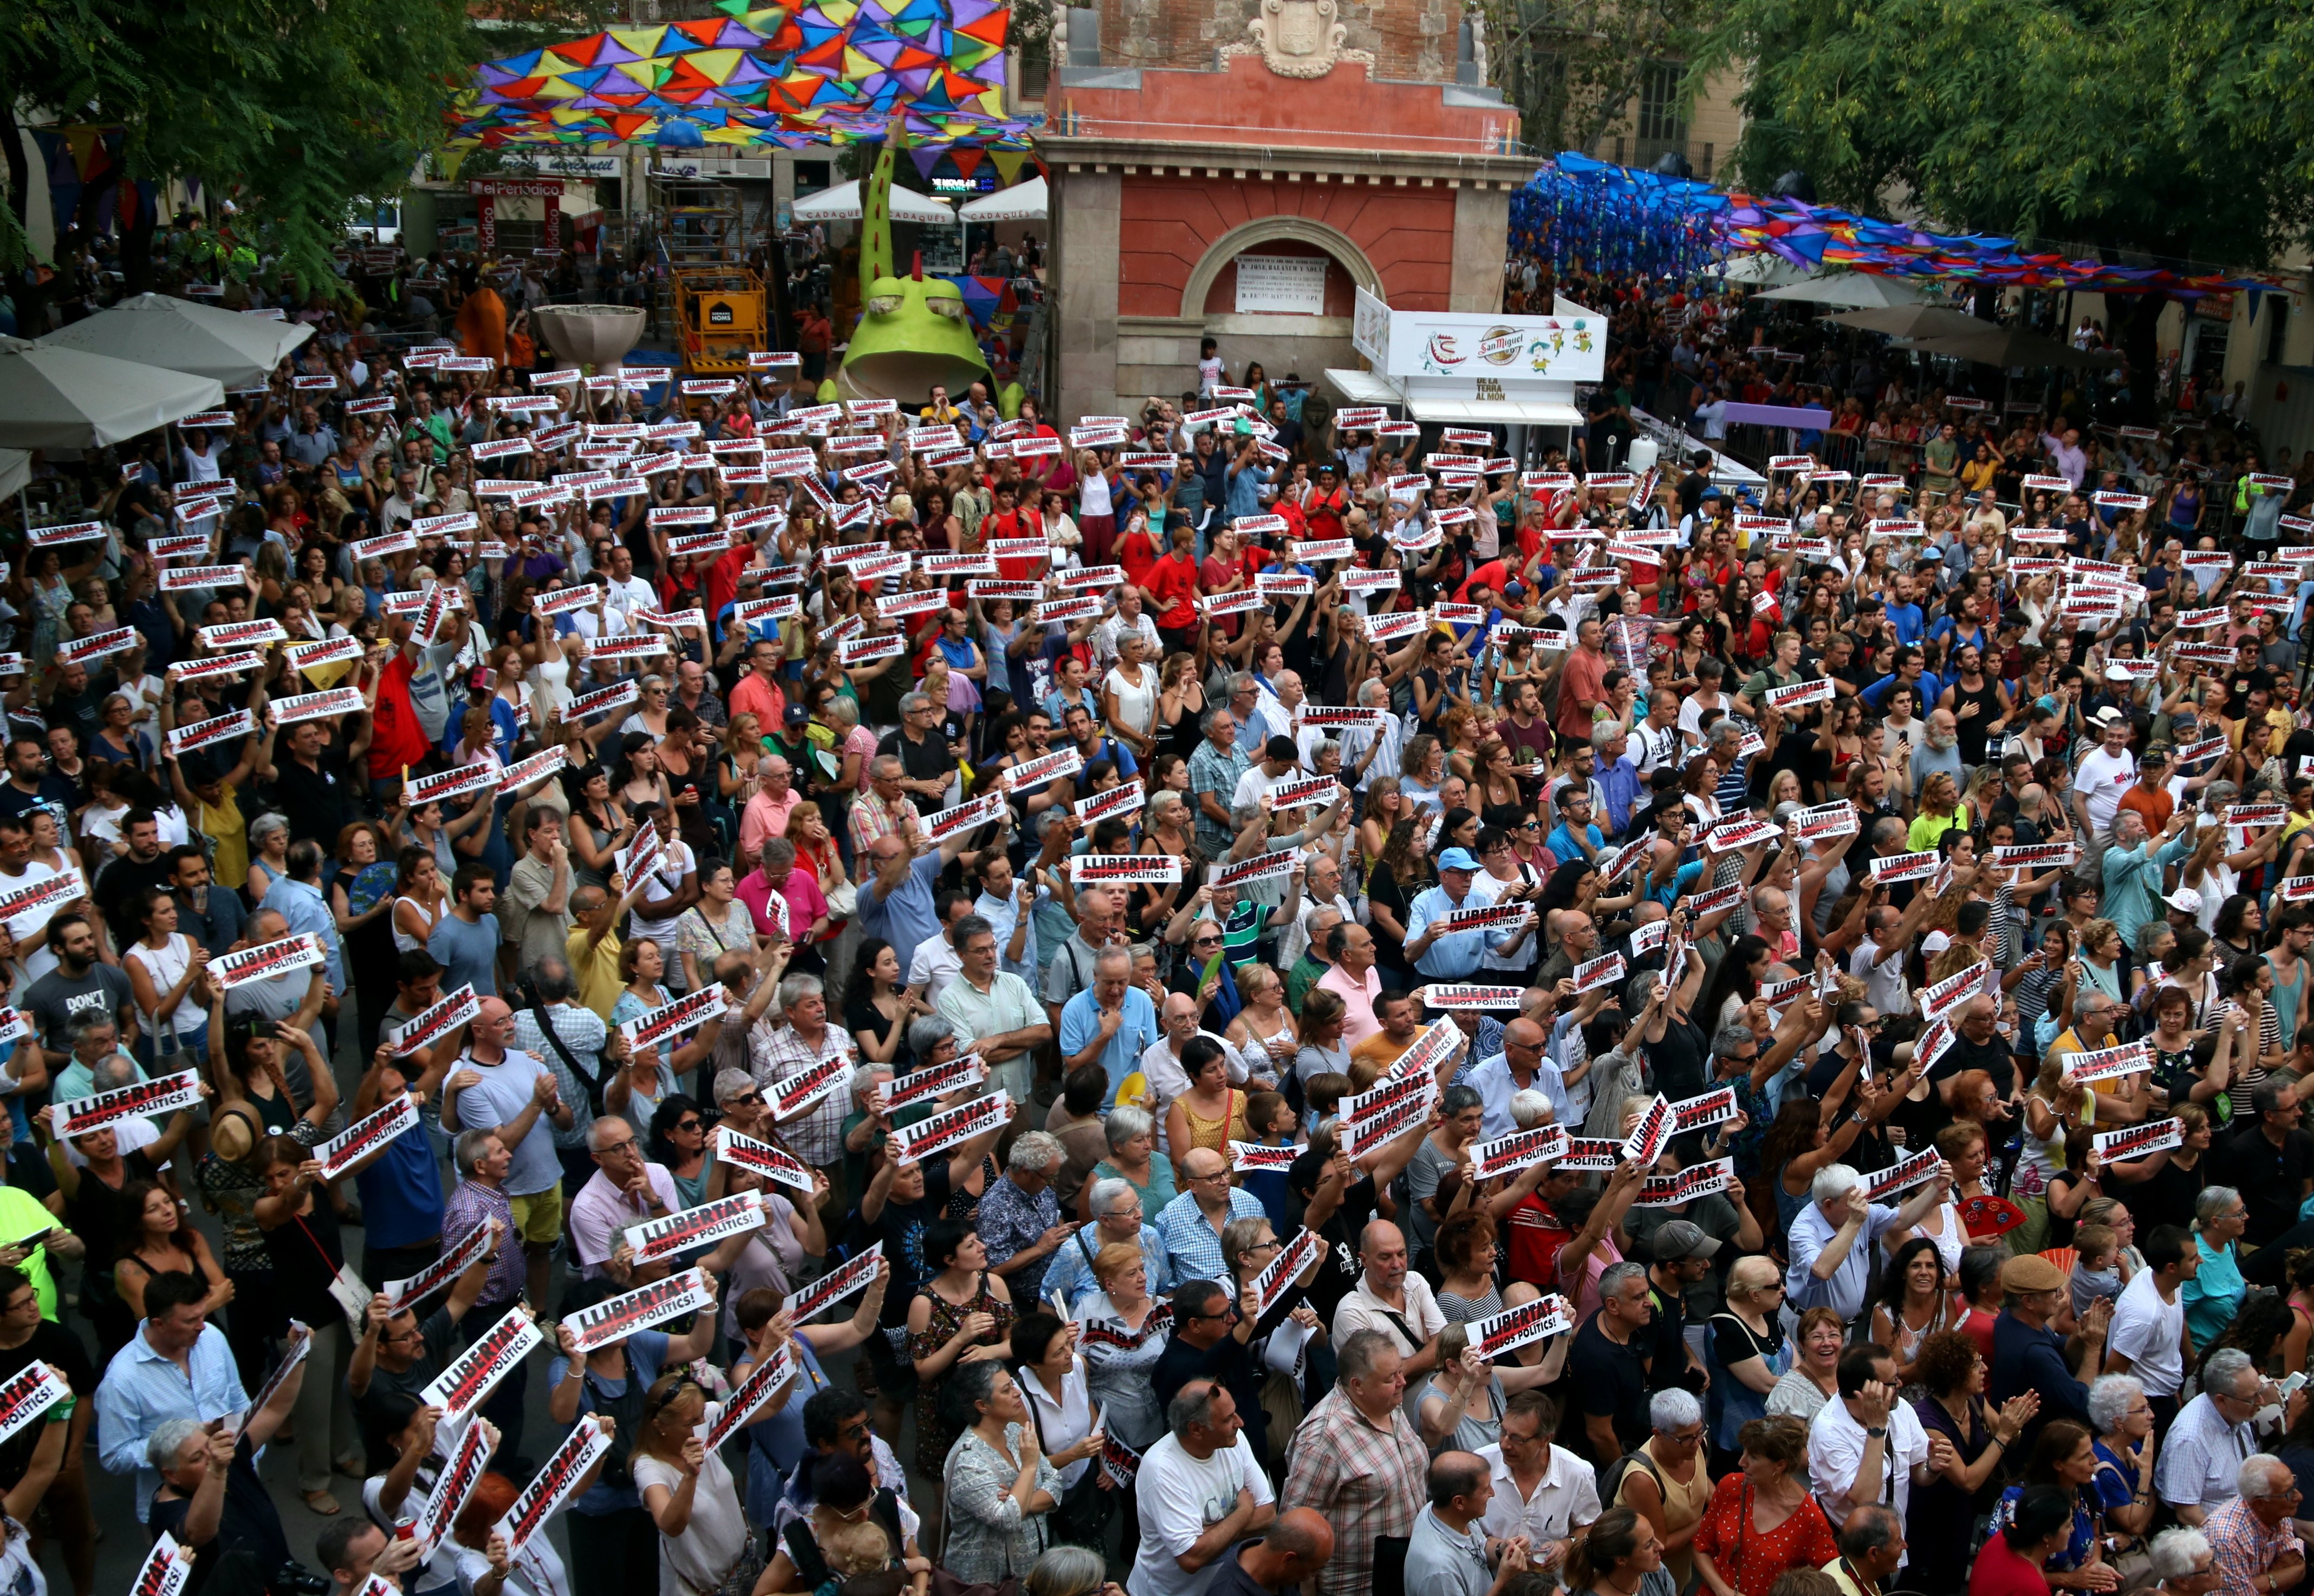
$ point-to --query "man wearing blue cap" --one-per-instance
(1454, 956)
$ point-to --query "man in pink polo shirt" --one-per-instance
(1354, 979)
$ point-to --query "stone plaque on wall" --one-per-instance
(1287, 285)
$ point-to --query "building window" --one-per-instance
(2277, 328)
(1662, 120)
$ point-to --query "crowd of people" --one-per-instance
(1103, 930)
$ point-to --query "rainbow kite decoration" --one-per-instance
(1619, 218)
(826, 72)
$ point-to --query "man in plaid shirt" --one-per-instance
(816, 1135)
(1356, 1460)
(2258, 1546)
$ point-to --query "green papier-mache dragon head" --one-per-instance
(914, 333)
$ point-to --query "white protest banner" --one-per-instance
(1035, 772)
(1514, 1327)
(1945, 996)
(911, 1144)
(1649, 937)
(420, 791)
(2020, 855)
(1448, 995)
(1541, 1145)
(703, 1226)
(306, 656)
(177, 578)
(217, 664)
(1630, 854)
(618, 1317)
(1297, 1255)
(101, 645)
(1245, 1155)
(365, 1137)
(836, 1284)
(29, 1393)
(266, 960)
(922, 1085)
(771, 1162)
(791, 1095)
(600, 700)
(469, 1456)
(334, 703)
(627, 645)
(1361, 1137)
(437, 1275)
(1644, 1144)
(15, 1025)
(1923, 1165)
(1685, 1185)
(1119, 1462)
(1493, 916)
(1592, 1153)
(1304, 793)
(438, 1020)
(536, 768)
(203, 734)
(1384, 1095)
(1798, 694)
(2137, 1141)
(1823, 822)
(552, 1485)
(763, 1383)
(1432, 1046)
(2107, 1063)
(78, 531)
(1335, 717)
(1709, 1108)
(1717, 899)
(1931, 1045)
(1277, 862)
(165, 1094)
(1116, 802)
(1595, 973)
(461, 1389)
(944, 824)
(1739, 832)
(1124, 868)
(166, 1568)
(1905, 867)
(687, 1013)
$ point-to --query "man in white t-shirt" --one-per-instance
(627, 592)
(1866, 1445)
(2147, 1337)
(2105, 772)
(1200, 1491)
(671, 887)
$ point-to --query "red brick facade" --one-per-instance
(1168, 223)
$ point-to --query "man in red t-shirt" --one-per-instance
(1581, 682)
(1171, 589)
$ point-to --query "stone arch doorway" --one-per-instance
(1230, 245)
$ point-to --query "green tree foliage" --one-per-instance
(289, 107)
(2126, 127)
(1573, 67)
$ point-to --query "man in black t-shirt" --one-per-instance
(1682, 1256)
(1609, 1364)
(26, 1339)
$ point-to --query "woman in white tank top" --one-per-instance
(161, 972)
(417, 899)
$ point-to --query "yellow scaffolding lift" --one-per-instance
(721, 314)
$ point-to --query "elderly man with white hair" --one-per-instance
(1020, 1219)
(2185, 1563)
(1192, 1223)
(1117, 1216)
(1833, 1237)
(2200, 1455)
(1161, 1060)
(2257, 1544)
(1386, 738)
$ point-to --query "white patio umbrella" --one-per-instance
(178, 335)
(15, 473)
(841, 204)
(1849, 290)
(65, 399)
(1022, 202)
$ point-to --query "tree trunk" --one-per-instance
(136, 246)
(30, 294)
(2136, 320)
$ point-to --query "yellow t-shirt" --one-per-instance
(597, 974)
(225, 823)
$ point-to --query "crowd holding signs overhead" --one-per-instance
(1247, 993)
